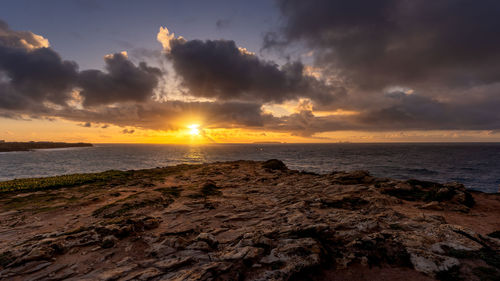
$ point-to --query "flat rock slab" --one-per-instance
(248, 220)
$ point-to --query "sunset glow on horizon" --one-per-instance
(249, 140)
(236, 75)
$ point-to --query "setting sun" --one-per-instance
(194, 129)
(266, 139)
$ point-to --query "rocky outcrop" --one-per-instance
(274, 164)
(251, 221)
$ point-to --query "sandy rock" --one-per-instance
(245, 220)
(438, 247)
(208, 238)
(432, 264)
(115, 273)
(199, 245)
(173, 263)
(434, 205)
(37, 253)
(145, 274)
(241, 253)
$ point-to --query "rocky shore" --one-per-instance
(249, 220)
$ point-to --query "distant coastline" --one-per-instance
(269, 142)
(27, 146)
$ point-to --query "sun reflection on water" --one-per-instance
(195, 154)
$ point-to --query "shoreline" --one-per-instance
(472, 165)
(246, 220)
(96, 174)
(29, 146)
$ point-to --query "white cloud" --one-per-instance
(21, 39)
(164, 37)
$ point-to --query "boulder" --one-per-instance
(274, 164)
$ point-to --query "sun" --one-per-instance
(194, 129)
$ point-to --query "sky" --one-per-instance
(250, 71)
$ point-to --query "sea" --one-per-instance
(476, 165)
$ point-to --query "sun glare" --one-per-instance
(194, 129)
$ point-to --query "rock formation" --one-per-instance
(249, 220)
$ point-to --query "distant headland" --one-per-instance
(27, 146)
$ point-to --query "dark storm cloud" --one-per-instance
(379, 43)
(443, 55)
(219, 69)
(405, 112)
(35, 76)
(422, 113)
(305, 124)
(123, 82)
(36, 82)
(429, 79)
(233, 114)
(31, 73)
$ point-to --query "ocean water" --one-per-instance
(477, 165)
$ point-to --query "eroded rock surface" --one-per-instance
(251, 221)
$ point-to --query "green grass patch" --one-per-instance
(111, 178)
(33, 184)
